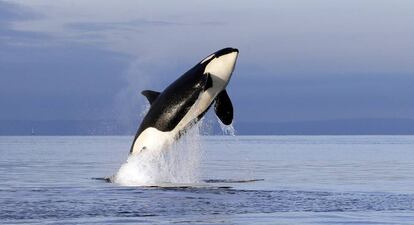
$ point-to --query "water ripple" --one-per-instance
(47, 203)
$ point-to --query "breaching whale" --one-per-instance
(186, 100)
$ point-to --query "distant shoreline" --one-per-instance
(117, 128)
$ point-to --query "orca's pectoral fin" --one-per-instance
(224, 108)
(151, 95)
(208, 83)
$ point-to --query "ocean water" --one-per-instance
(241, 180)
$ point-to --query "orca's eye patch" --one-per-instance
(208, 59)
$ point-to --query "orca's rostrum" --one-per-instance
(186, 100)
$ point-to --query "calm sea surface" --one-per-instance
(300, 180)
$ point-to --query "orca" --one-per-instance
(184, 102)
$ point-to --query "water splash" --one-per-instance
(227, 129)
(179, 163)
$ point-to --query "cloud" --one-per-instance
(299, 60)
(10, 13)
(42, 77)
(128, 25)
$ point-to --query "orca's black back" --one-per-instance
(175, 101)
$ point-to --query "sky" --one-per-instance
(299, 60)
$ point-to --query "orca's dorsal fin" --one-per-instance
(151, 95)
(224, 108)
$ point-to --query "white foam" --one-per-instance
(179, 163)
